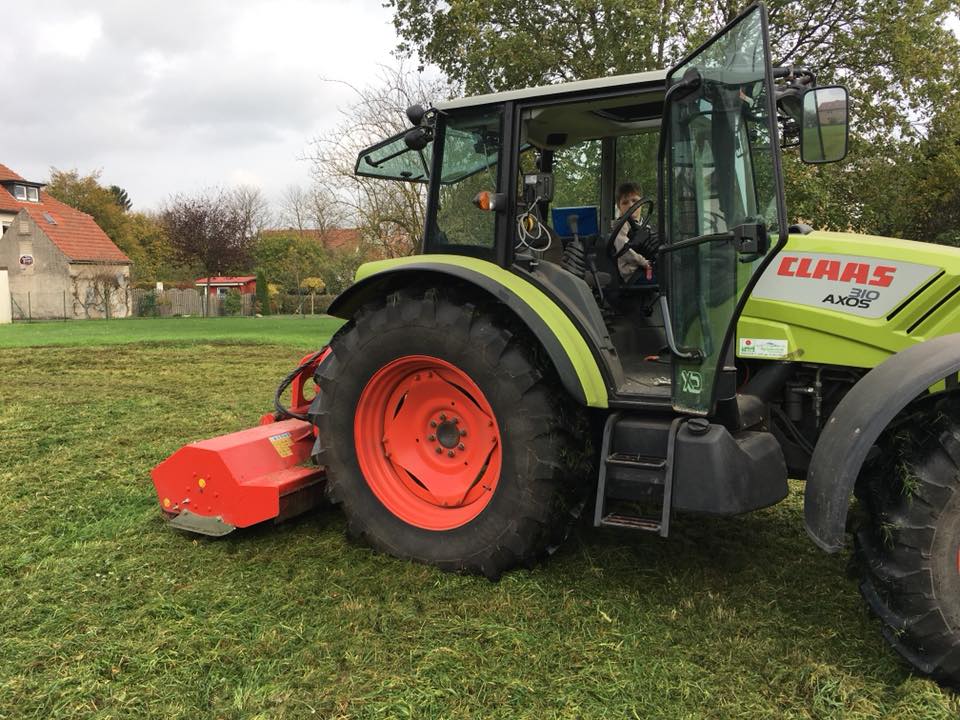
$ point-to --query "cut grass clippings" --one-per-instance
(106, 612)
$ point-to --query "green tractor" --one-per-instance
(484, 393)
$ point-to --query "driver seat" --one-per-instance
(616, 287)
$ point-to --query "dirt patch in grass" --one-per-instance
(107, 613)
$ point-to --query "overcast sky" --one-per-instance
(166, 97)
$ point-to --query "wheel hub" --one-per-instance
(448, 434)
(411, 431)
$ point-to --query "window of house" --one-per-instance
(33, 194)
(20, 192)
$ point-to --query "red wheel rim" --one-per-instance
(427, 442)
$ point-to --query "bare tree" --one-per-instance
(295, 207)
(325, 210)
(211, 229)
(252, 206)
(389, 214)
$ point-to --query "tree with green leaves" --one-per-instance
(85, 193)
(287, 257)
(140, 235)
(121, 198)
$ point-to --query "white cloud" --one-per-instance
(73, 38)
(173, 97)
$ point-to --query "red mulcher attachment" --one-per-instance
(214, 486)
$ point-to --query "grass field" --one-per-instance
(107, 613)
(305, 332)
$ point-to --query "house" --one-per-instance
(246, 284)
(60, 263)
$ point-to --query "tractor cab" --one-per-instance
(645, 205)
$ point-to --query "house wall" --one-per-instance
(51, 287)
(6, 218)
(6, 315)
(99, 291)
(37, 289)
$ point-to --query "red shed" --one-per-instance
(246, 284)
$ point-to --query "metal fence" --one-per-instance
(64, 305)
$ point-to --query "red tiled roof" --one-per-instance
(224, 279)
(7, 202)
(8, 174)
(75, 233)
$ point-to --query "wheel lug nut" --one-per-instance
(463, 433)
(461, 447)
(439, 450)
(431, 438)
(433, 423)
(455, 420)
(442, 417)
(450, 453)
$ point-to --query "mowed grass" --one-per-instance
(105, 612)
(306, 331)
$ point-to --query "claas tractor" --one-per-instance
(560, 348)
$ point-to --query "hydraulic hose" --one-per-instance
(285, 383)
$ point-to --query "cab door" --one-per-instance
(721, 196)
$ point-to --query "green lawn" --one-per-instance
(105, 612)
(304, 332)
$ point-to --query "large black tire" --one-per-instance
(540, 489)
(908, 544)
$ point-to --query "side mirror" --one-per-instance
(824, 124)
(415, 114)
(418, 138)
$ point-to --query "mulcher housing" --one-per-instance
(480, 392)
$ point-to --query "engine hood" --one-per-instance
(850, 299)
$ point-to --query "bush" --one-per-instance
(232, 303)
(321, 303)
(290, 304)
(147, 304)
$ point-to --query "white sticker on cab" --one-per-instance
(763, 348)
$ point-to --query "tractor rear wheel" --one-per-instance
(445, 437)
(908, 547)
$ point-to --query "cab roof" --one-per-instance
(656, 77)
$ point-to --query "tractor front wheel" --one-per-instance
(444, 438)
(908, 547)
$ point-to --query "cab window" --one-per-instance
(471, 152)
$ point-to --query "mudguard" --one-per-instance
(856, 424)
(563, 342)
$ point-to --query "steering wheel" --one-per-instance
(643, 240)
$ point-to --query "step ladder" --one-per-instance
(642, 473)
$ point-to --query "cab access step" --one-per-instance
(687, 464)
